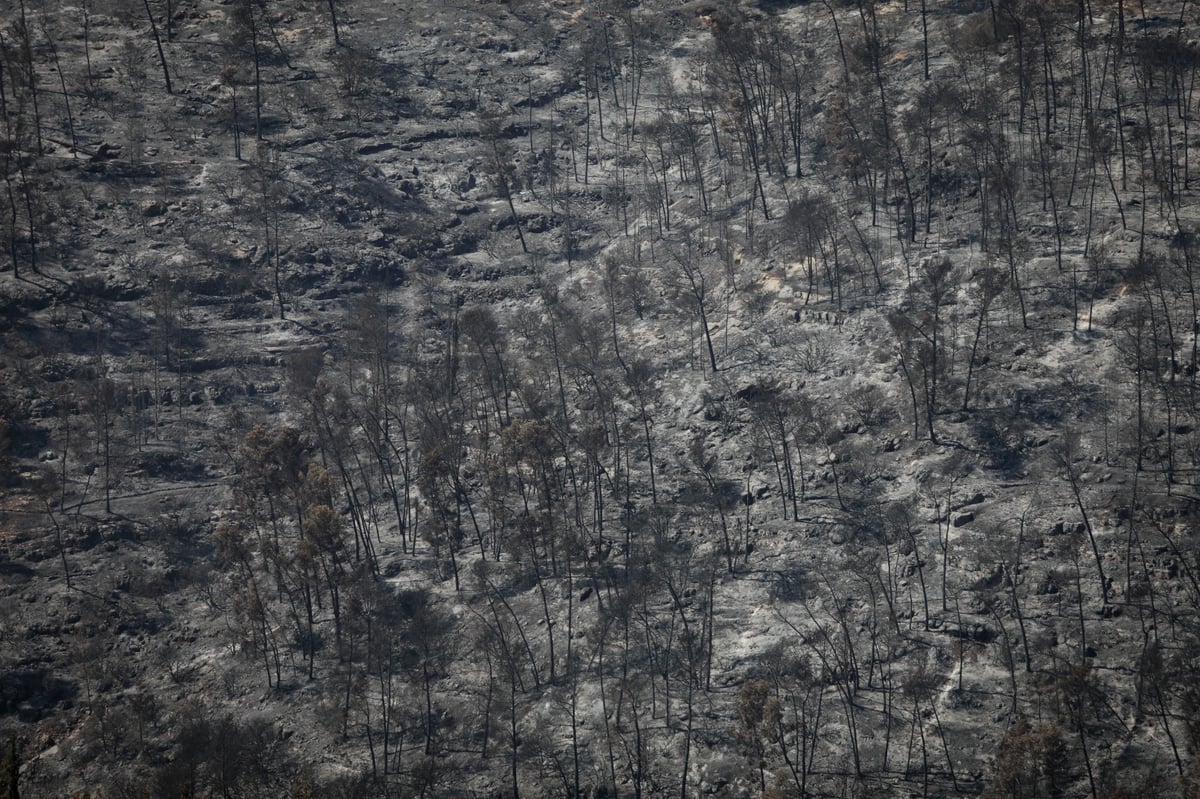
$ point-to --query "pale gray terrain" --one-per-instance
(599, 399)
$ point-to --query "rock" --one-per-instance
(755, 392)
(960, 519)
(153, 208)
(974, 499)
(993, 580)
(376, 147)
(1048, 585)
(105, 152)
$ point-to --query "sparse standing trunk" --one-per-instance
(1077, 493)
(162, 58)
(31, 76)
(62, 81)
(333, 18)
(237, 129)
(253, 31)
(925, 37)
(515, 738)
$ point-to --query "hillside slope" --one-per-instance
(597, 398)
